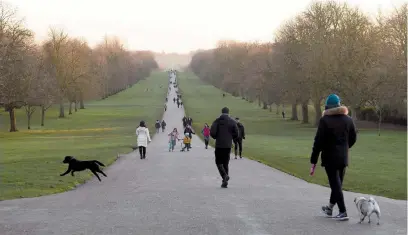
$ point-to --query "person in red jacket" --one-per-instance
(206, 134)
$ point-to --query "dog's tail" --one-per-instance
(99, 163)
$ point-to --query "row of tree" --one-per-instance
(61, 69)
(328, 48)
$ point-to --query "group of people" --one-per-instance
(178, 101)
(159, 125)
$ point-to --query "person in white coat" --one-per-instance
(143, 136)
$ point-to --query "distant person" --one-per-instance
(238, 141)
(143, 136)
(157, 125)
(165, 107)
(283, 114)
(190, 121)
(223, 95)
(224, 130)
(178, 104)
(163, 125)
(206, 134)
(181, 103)
(184, 120)
(167, 99)
(174, 100)
(335, 134)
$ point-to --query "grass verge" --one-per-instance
(377, 163)
(31, 159)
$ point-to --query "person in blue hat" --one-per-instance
(336, 133)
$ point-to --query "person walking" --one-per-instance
(165, 107)
(173, 137)
(143, 136)
(224, 130)
(184, 120)
(238, 141)
(157, 125)
(163, 125)
(174, 100)
(178, 104)
(189, 131)
(206, 134)
(335, 134)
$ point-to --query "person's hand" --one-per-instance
(312, 169)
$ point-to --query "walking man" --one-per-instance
(157, 125)
(238, 141)
(336, 133)
(224, 130)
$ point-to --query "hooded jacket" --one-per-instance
(335, 134)
(224, 130)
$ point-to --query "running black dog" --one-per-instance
(76, 165)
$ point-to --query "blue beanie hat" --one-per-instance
(332, 101)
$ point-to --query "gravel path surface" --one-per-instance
(179, 193)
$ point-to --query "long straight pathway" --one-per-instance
(179, 193)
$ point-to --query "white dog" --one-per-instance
(366, 207)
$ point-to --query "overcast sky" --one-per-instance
(169, 25)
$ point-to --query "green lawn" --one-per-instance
(377, 164)
(31, 161)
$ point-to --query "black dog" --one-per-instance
(76, 165)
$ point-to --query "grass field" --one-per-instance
(377, 164)
(30, 163)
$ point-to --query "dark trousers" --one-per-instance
(142, 151)
(186, 146)
(222, 157)
(238, 144)
(336, 176)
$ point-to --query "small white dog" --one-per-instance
(366, 207)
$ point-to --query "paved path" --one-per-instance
(179, 193)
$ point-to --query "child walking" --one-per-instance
(173, 137)
(206, 134)
(186, 142)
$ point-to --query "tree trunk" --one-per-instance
(294, 113)
(70, 108)
(318, 111)
(265, 105)
(305, 113)
(42, 115)
(76, 106)
(61, 109)
(29, 121)
(379, 122)
(81, 101)
(259, 101)
(354, 113)
(13, 124)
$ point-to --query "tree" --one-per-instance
(15, 41)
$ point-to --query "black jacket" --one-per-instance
(189, 131)
(157, 125)
(335, 135)
(241, 129)
(224, 130)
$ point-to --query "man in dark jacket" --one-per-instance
(335, 135)
(224, 130)
(238, 141)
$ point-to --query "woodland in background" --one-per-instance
(328, 48)
(61, 69)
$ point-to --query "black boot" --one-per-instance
(224, 176)
(240, 155)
